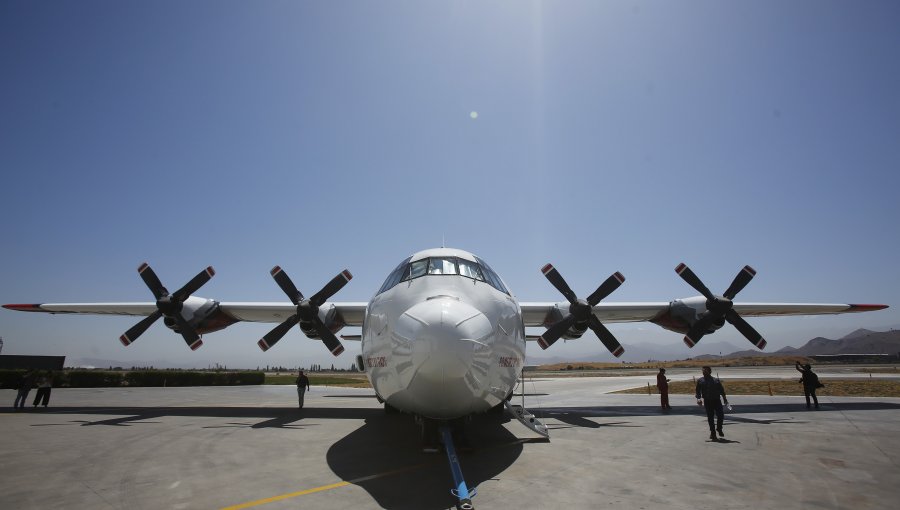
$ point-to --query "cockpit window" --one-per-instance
(417, 269)
(492, 277)
(443, 266)
(470, 269)
(395, 276)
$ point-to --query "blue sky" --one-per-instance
(320, 136)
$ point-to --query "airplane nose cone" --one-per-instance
(445, 339)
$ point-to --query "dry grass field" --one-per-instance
(833, 387)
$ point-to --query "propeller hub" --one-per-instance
(307, 311)
(581, 310)
(719, 305)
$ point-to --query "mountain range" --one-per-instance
(861, 341)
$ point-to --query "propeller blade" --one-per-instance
(740, 281)
(284, 281)
(555, 331)
(559, 282)
(331, 341)
(606, 288)
(687, 275)
(191, 338)
(746, 329)
(195, 284)
(152, 281)
(272, 337)
(337, 283)
(698, 330)
(138, 329)
(606, 337)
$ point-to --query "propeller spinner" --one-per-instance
(307, 310)
(168, 305)
(720, 307)
(581, 311)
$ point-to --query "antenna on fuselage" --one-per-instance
(443, 244)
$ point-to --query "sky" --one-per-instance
(322, 136)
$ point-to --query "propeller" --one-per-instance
(307, 310)
(168, 305)
(720, 307)
(581, 311)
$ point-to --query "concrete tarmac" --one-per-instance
(250, 447)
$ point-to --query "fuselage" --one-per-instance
(443, 338)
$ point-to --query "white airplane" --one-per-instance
(444, 338)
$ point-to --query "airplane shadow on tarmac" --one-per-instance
(384, 457)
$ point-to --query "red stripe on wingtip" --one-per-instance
(543, 343)
(24, 307)
(347, 275)
(125, 341)
(143, 267)
(210, 271)
(619, 276)
(547, 268)
(337, 350)
(761, 344)
(680, 268)
(263, 345)
(689, 342)
(196, 345)
(618, 352)
(866, 308)
(275, 270)
(750, 270)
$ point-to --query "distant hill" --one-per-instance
(861, 341)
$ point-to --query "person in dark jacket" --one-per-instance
(662, 384)
(810, 382)
(709, 389)
(302, 386)
(24, 389)
(44, 385)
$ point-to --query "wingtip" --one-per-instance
(27, 307)
(263, 345)
(619, 352)
(196, 345)
(867, 307)
(543, 343)
(690, 343)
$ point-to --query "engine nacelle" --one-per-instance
(203, 315)
(682, 314)
(329, 316)
(576, 331)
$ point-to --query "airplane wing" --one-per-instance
(351, 314)
(689, 316)
(545, 314)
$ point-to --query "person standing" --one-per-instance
(24, 388)
(302, 386)
(709, 389)
(45, 383)
(810, 382)
(662, 384)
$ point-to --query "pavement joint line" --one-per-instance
(289, 495)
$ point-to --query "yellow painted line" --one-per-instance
(338, 485)
(289, 495)
(286, 496)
